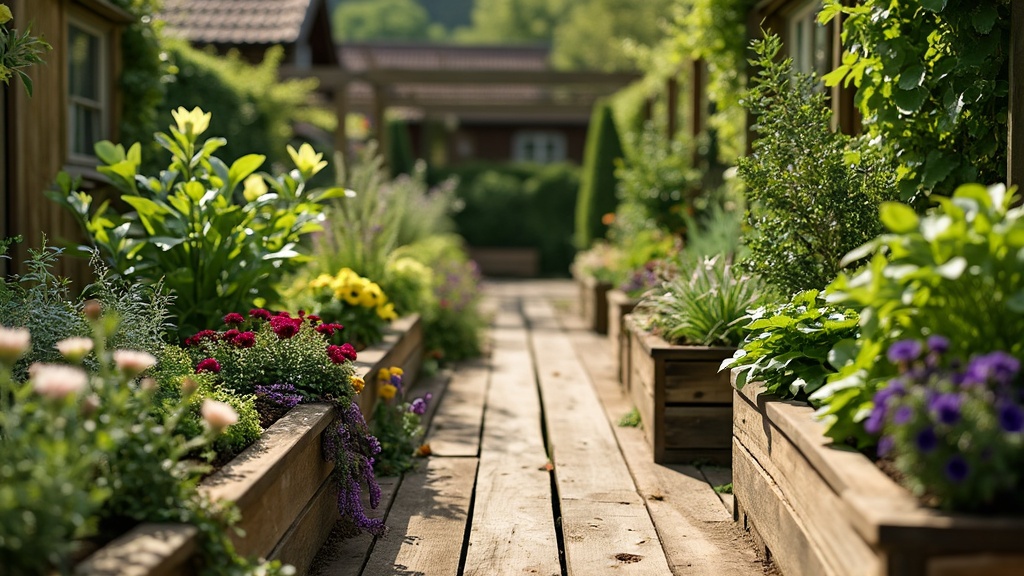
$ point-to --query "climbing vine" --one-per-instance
(932, 81)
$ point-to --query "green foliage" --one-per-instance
(409, 285)
(715, 32)
(723, 488)
(705, 307)
(513, 21)
(142, 71)
(396, 424)
(657, 184)
(932, 82)
(362, 20)
(597, 179)
(18, 51)
(216, 247)
(787, 345)
(631, 419)
(598, 34)
(812, 194)
(400, 154)
(254, 107)
(955, 272)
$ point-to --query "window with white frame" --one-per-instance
(87, 88)
(808, 41)
(541, 146)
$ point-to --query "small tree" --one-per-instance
(597, 182)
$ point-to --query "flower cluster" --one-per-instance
(953, 431)
(353, 448)
(397, 423)
(350, 299)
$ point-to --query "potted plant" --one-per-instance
(678, 337)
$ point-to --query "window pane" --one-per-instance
(85, 129)
(83, 63)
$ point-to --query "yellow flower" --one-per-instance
(387, 391)
(384, 375)
(254, 187)
(191, 123)
(352, 291)
(371, 296)
(396, 371)
(357, 384)
(387, 311)
(5, 14)
(321, 281)
(307, 160)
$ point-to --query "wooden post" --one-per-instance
(672, 94)
(379, 105)
(1015, 139)
(341, 130)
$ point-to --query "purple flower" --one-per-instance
(957, 469)
(875, 421)
(998, 366)
(926, 440)
(419, 406)
(1011, 417)
(946, 408)
(904, 351)
(938, 344)
(281, 394)
(902, 415)
(885, 444)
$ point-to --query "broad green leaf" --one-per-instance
(147, 210)
(243, 167)
(909, 101)
(898, 217)
(836, 76)
(108, 153)
(984, 17)
(194, 190)
(912, 77)
(934, 5)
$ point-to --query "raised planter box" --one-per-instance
(594, 303)
(822, 510)
(684, 402)
(281, 484)
(619, 304)
(514, 262)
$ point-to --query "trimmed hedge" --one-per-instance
(597, 182)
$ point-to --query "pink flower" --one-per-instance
(56, 381)
(14, 342)
(329, 329)
(218, 415)
(200, 336)
(313, 319)
(131, 363)
(229, 335)
(208, 365)
(348, 351)
(285, 327)
(74, 349)
(233, 319)
(244, 340)
(336, 354)
(259, 313)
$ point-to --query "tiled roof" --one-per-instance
(358, 57)
(236, 21)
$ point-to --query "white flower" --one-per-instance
(131, 363)
(14, 342)
(74, 349)
(218, 414)
(57, 381)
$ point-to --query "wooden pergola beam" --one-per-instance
(331, 77)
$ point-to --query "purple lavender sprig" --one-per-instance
(351, 446)
(281, 394)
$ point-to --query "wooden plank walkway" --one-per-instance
(530, 475)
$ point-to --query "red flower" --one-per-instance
(259, 313)
(245, 340)
(208, 365)
(348, 351)
(336, 354)
(313, 319)
(230, 335)
(233, 318)
(200, 336)
(285, 327)
(329, 329)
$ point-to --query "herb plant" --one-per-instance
(812, 195)
(956, 271)
(954, 431)
(787, 345)
(18, 51)
(396, 424)
(216, 246)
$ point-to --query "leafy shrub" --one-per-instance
(954, 272)
(787, 345)
(932, 82)
(396, 423)
(217, 248)
(18, 51)
(953, 430)
(705, 307)
(808, 204)
(597, 178)
(409, 285)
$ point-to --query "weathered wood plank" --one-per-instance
(347, 549)
(427, 521)
(986, 564)
(455, 431)
(606, 526)
(697, 381)
(513, 527)
(147, 550)
(697, 534)
(698, 427)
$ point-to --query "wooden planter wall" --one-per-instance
(281, 484)
(620, 304)
(821, 510)
(594, 303)
(684, 402)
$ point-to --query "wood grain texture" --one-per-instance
(147, 550)
(347, 548)
(513, 527)
(455, 431)
(427, 521)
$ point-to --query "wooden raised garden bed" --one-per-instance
(507, 262)
(620, 304)
(594, 303)
(822, 510)
(684, 402)
(281, 484)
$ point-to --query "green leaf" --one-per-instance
(108, 153)
(912, 77)
(836, 76)
(909, 101)
(243, 167)
(984, 18)
(898, 217)
(934, 5)
(952, 269)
